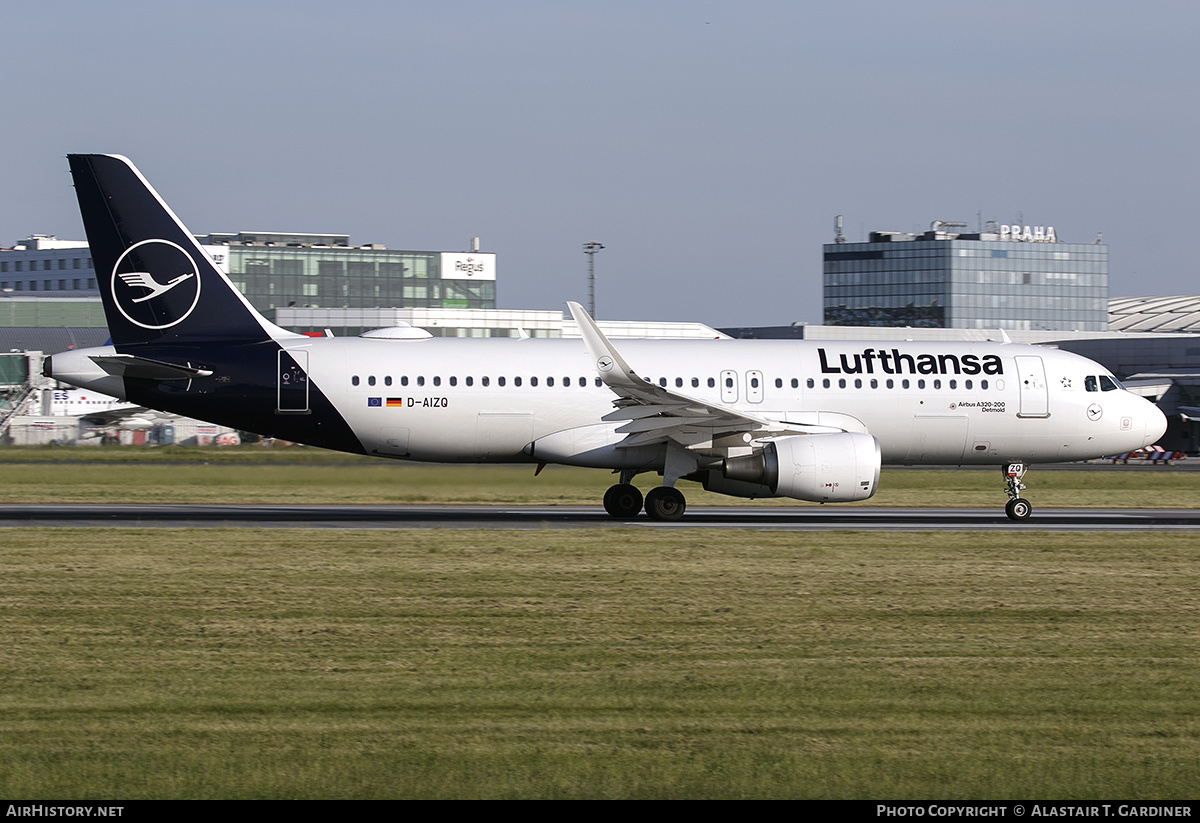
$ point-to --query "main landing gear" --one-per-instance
(663, 503)
(1017, 507)
(623, 500)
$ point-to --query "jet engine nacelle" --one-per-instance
(823, 468)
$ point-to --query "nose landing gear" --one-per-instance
(1017, 507)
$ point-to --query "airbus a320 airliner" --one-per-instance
(806, 420)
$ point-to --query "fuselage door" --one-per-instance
(293, 382)
(1035, 398)
(729, 387)
(754, 386)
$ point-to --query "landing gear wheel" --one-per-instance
(623, 500)
(1018, 509)
(665, 504)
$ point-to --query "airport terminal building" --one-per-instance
(1004, 277)
(277, 270)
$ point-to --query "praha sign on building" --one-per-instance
(1036, 234)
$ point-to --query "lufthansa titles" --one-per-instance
(884, 361)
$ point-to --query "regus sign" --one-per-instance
(468, 266)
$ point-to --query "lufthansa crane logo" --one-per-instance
(155, 284)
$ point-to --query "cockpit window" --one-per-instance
(1108, 384)
(1090, 383)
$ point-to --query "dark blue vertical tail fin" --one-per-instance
(158, 285)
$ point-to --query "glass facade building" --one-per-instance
(276, 270)
(323, 271)
(1010, 279)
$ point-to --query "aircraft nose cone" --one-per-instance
(1156, 424)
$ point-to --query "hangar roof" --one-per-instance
(1176, 313)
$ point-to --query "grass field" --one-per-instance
(295, 475)
(598, 663)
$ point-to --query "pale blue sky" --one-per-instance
(707, 144)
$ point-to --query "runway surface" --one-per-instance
(773, 518)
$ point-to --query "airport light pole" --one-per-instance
(590, 250)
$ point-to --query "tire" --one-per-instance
(623, 500)
(665, 504)
(1018, 509)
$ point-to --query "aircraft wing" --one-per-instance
(112, 417)
(656, 414)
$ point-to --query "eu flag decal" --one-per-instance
(375, 401)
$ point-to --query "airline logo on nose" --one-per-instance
(155, 284)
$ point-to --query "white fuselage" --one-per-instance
(486, 400)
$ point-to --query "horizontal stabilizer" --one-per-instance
(127, 365)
